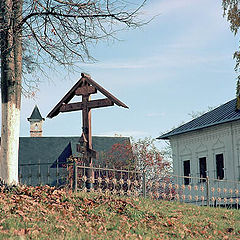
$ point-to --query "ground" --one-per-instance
(49, 213)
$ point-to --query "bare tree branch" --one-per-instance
(64, 30)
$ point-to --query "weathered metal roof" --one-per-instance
(222, 114)
(71, 94)
(36, 115)
(48, 149)
(42, 150)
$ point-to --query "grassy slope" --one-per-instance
(46, 213)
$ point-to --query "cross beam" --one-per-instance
(70, 107)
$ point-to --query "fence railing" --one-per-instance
(110, 180)
(195, 190)
(53, 174)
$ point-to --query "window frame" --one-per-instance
(220, 173)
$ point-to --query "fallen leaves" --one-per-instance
(47, 212)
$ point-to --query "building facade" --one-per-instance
(208, 145)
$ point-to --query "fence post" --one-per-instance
(207, 191)
(74, 176)
(144, 183)
(57, 173)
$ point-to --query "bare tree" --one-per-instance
(36, 32)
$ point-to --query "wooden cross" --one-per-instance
(85, 87)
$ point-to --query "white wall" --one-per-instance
(223, 138)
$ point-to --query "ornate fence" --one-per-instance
(200, 191)
(195, 190)
(109, 180)
(53, 174)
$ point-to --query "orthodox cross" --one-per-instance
(84, 88)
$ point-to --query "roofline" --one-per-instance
(70, 94)
(36, 109)
(167, 135)
(105, 92)
(72, 137)
(43, 119)
(67, 97)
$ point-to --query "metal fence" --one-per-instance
(52, 174)
(195, 190)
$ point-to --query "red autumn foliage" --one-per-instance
(141, 155)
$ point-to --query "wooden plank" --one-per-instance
(70, 94)
(104, 91)
(85, 122)
(100, 103)
(71, 107)
(80, 105)
(90, 128)
(85, 90)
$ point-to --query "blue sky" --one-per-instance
(178, 63)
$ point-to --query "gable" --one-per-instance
(84, 83)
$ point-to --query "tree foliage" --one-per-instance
(232, 12)
(142, 155)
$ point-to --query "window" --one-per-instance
(220, 166)
(203, 168)
(186, 171)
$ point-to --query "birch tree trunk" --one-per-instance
(11, 67)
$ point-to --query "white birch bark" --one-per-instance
(9, 143)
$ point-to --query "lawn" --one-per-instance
(48, 213)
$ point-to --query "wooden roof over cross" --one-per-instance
(85, 86)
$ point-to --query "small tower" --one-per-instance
(36, 121)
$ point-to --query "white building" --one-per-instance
(208, 145)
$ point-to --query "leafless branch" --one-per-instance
(64, 30)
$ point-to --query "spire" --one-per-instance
(36, 115)
(36, 121)
(238, 95)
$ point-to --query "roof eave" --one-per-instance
(162, 138)
(167, 135)
(36, 119)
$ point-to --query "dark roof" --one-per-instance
(49, 149)
(71, 93)
(222, 114)
(36, 115)
(38, 157)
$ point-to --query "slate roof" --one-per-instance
(49, 149)
(36, 115)
(38, 156)
(222, 114)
